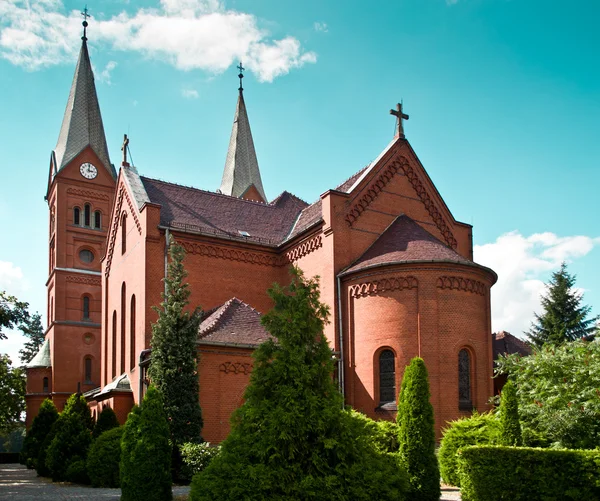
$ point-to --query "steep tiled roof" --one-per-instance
(405, 241)
(348, 183)
(223, 215)
(234, 322)
(309, 216)
(82, 122)
(506, 343)
(42, 357)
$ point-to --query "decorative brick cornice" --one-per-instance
(78, 279)
(384, 285)
(401, 165)
(235, 368)
(304, 248)
(230, 254)
(462, 284)
(88, 194)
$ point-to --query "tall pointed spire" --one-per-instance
(82, 123)
(241, 176)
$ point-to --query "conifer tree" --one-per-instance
(417, 433)
(107, 420)
(173, 369)
(565, 318)
(510, 425)
(292, 439)
(41, 426)
(146, 452)
(31, 328)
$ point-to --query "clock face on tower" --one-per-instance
(88, 170)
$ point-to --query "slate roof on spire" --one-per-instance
(82, 123)
(241, 166)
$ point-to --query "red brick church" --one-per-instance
(396, 270)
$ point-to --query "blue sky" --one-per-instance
(503, 98)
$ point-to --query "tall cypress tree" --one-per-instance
(417, 434)
(173, 369)
(510, 425)
(564, 317)
(41, 426)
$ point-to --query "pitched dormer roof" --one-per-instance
(241, 166)
(82, 124)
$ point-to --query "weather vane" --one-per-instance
(85, 23)
(241, 75)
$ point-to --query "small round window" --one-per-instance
(86, 256)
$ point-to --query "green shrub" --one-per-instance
(478, 429)
(77, 405)
(77, 472)
(40, 467)
(195, 458)
(496, 473)
(104, 457)
(384, 434)
(510, 426)
(417, 433)
(292, 439)
(146, 452)
(41, 426)
(107, 420)
(70, 443)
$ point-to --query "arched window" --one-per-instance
(132, 334)
(97, 220)
(387, 377)
(88, 370)
(76, 216)
(86, 307)
(123, 234)
(87, 215)
(114, 344)
(464, 380)
(45, 385)
(123, 292)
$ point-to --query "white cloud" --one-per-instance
(12, 280)
(321, 27)
(105, 74)
(189, 93)
(188, 34)
(523, 265)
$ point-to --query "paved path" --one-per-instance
(17, 483)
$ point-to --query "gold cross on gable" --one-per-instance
(124, 150)
(400, 115)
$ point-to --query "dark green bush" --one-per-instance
(77, 405)
(77, 472)
(146, 452)
(40, 467)
(510, 426)
(496, 473)
(70, 443)
(195, 458)
(107, 420)
(478, 429)
(104, 457)
(417, 433)
(41, 426)
(292, 439)
(384, 434)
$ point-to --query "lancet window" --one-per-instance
(387, 377)
(464, 380)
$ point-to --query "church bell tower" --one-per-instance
(80, 194)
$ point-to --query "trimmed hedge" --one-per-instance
(104, 457)
(478, 429)
(489, 473)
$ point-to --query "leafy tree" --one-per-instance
(417, 433)
(510, 426)
(104, 458)
(12, 394)
(41, 426)
(12, 312)
(107, 420)
(564, 317)
(292, 439)
(146, 452)
(31, 328)
(173, 369)
(559, 394)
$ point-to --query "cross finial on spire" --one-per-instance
(124, 149)
(85, 23)
(400, 115)
(241, 75)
